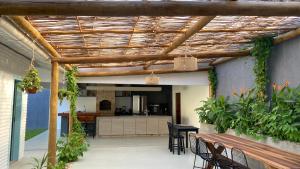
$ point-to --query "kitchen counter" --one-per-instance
(132, 125)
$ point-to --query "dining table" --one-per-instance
(271, 157)
(179, 128)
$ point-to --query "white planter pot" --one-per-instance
(283, 145)
(207, 128)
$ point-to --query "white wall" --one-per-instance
(191, 78)
(191, 97)
(6, 103)
(6, 111)
(12, 66)
(86, 103)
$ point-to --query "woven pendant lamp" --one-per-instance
(186, 63)
(152, 79)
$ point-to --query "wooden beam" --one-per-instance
(159, 31)
(153, 46)
(131, 64)
(150, 8)
(286, 36)
(190, 32)
(53, 114)
(135, 58)
(35, 35)
(134, 72)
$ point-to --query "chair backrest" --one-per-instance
(203, 149)
(239, 156)
(193, 143)
(221, 146)
(170, 128)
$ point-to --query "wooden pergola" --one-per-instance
(111, 34)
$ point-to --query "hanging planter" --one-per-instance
(31, 82)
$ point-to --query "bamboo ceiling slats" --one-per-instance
(94, 36)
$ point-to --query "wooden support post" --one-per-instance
(53, 113)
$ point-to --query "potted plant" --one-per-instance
(31, 83)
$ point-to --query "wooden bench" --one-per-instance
(270, 156)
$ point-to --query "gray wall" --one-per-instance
(235, 75)
(284, 64)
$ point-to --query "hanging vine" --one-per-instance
(212, 77)
(72, 148)
(71, 93)
(261, 52)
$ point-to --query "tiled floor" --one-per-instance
(132, 153)
(116, 153)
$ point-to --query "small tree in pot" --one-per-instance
(31, 82)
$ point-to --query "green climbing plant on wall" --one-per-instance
(261, 52)
(212, 77)
(72, 148)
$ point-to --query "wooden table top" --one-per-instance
(272, 157)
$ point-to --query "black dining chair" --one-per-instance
(222, 160)
(239, 159)
(194, 146)
(175, 137)
(205, 154)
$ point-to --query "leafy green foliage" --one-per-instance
(39, 163)
(261, 52)
(248, 115)
(64, 93)
(212, 77)
(71, 148)
(59, 165)
(216, 111)
(31, 80)
(284, 114)
(205, 113)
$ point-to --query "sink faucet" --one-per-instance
(84, 108)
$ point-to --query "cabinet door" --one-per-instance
(163, 126)
(104, 127)
(129, 126)
(152, 125)
(117, 126)
(141, 126)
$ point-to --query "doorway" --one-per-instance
(16, 123)
(178, 108)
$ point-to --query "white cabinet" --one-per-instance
(141, 126)
(152, 125)
(163, 126)
(117, 126)
(129, 126)
(104, 126)
(133, 125)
